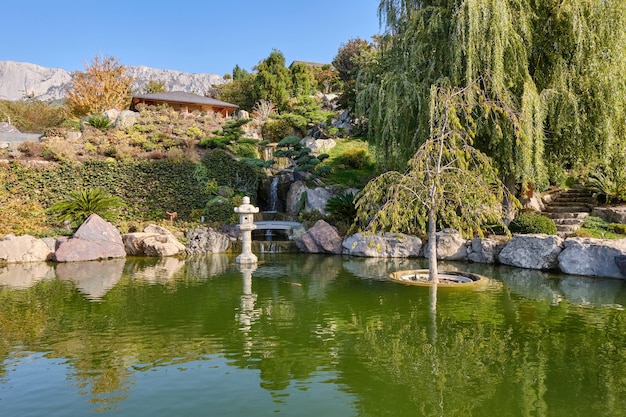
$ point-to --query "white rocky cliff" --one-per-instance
(22, 79)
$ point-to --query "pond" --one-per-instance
(305, 335)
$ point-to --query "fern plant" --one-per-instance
(81, 204)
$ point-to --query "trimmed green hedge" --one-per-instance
(532, 223)
(149, 188)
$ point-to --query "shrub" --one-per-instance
(593, 222)
(618, 228)
(274, 130)
(175, 155)
(31, 115)
(56, 149)
(356, 158)
(194, 132)
(32, 149)
(99, 122)
(532, 223)
(220, 210)
(82, 203)
(227, 171)
(597, 224)
(608, 187)
(342, 206)
(245, 150)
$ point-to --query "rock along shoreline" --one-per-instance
(97, 239)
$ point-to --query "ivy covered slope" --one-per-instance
(153, 166)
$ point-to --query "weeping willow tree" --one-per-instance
(556, 63)
(578, 62)
(448, 182)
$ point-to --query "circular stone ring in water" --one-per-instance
(449, 279)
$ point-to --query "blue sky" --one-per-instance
(191, 36)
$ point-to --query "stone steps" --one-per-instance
(568, 209)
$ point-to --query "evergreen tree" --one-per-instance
(240, 73)
(272, 81)
(239, 90)
(348, 62)
(302, 80)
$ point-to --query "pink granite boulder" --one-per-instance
(95, 239)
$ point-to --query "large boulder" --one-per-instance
(611, 214)
(451, 246)
(317, 145)
(95, 239)
(302, 198)
(321, 238)
(18, 249)
(126, 118)
(486, 251)
(532, 251)
(207, 240)
(153, 241)
(389, 245)
(593, 257)
(621, 263)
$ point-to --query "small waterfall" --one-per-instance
(270, 247)
(273, 195)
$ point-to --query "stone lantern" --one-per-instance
(246, 225)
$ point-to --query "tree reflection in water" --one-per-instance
(515, 349)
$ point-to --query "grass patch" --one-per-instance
(595, 227)
(351, 162)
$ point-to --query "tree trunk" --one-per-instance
(507, 205)
(433, 275)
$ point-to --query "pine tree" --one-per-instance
(272, 81)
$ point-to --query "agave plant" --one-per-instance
(99, 122)
(81, 204)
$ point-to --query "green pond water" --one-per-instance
(305, 336)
